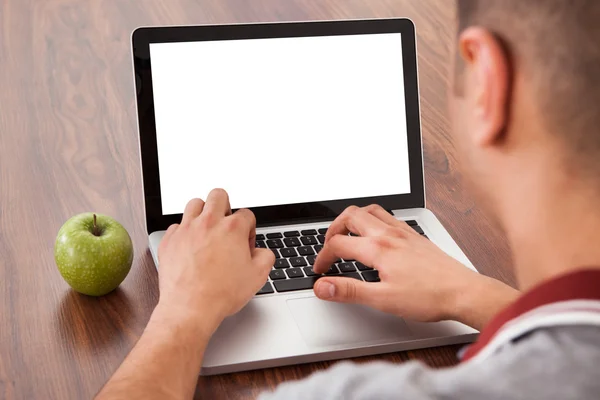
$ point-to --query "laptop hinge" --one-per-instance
(296, 221)
(303, 220)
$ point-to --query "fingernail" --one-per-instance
(326, 290)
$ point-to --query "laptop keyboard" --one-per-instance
(295, 254)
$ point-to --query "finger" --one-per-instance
(170, 230)
(356, 220)
(217, 203)
(388, 218)
(193, 209)
(348, 247)
(377, 211)
(248, 222)
(263, 259)
(166, 237)
(338, 226)
(346, 290)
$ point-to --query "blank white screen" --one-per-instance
(280, 121)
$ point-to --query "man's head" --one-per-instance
(525, 96)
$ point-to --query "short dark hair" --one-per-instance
(556, 44)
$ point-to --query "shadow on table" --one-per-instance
(91, 324)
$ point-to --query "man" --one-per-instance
(524, 106)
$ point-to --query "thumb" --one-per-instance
(344, 290)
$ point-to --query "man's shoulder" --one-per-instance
(551, 363)
(556, 342)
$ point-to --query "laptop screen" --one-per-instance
(280, 121)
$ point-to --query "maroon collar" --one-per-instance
(578, 285)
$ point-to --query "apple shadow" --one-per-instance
(92, 324)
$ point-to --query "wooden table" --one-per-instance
(68, 144)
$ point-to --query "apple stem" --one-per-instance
(95, 229)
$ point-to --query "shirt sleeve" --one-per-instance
(552, 363)
(360, 381)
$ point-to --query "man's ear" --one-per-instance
(486, 83)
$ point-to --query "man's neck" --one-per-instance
(553, 227)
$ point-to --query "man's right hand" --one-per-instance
(418, 280)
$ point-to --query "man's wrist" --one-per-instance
(202, 321)
(478, 298)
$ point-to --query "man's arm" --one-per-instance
(478, 299)
(194, 299)
(165, 362)
(418, 280)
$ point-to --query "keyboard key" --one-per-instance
(353, 234)
(309, 271)
(295, 273)
(274, 243)
(348, 260)
(307, 240)
(332, 271)
(354, 275)
(260, 237)
(346, 267)
(288, 252)
(321, 239)
(412, 222)
(275, 235)
(282, 263)
(276, 252)
(323, 231)
(318, 248)
(291, 233)
(261, 244)
(277, 274)
(296, 284)
(266, 289)
(371, 276)
(418, 229)
(305, 251)
(362, 267)
(309, 232)
(425, 236)
(311, 260)
(298, 262)
(292, 242)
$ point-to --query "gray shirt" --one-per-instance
(560, 362)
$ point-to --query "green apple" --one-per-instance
(93, 253)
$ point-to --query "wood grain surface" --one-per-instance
(68, 144)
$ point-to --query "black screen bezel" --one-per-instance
(289, 213)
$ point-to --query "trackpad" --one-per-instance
(323, 323)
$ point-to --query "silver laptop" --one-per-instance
(296, 121)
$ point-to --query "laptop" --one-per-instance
(297, 121)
